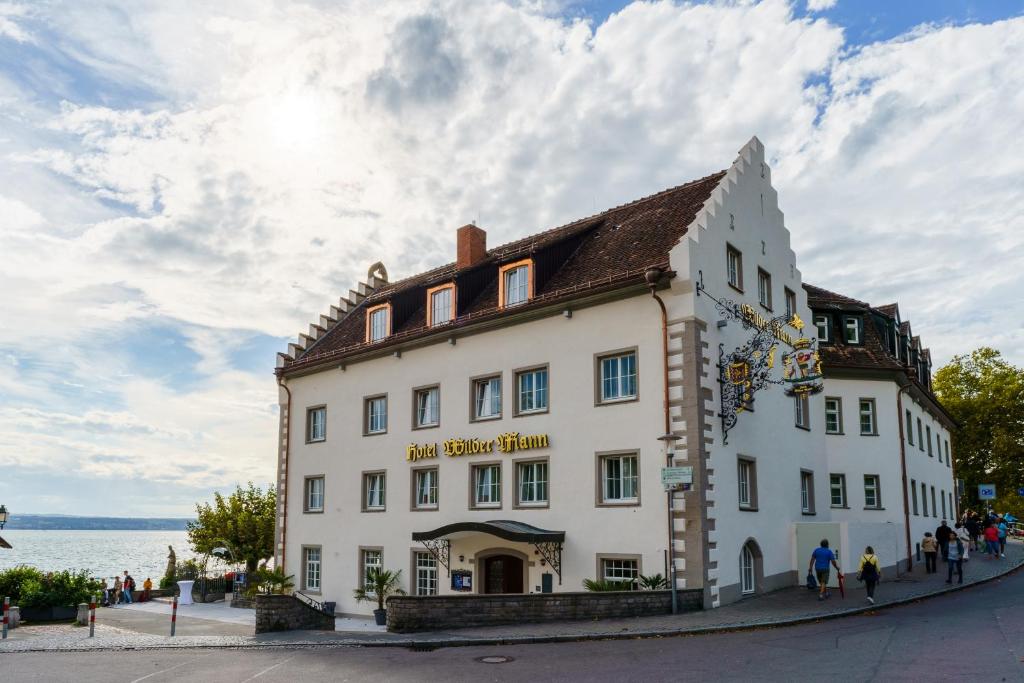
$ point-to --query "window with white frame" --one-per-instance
(833, 415)
(928, 438)
(947, 454)
(747, 482)
(532, 391)
(487, 486)
(938, 444)
(517, 285)
(942, 497)
(426, 406)
(764, 288)
(734, 267)
(426, 574)
(924, 499)
(802, 411)
(790, 303)
(935, 511)
(618, 377)
(626, 573)
(837, 490)
(315, 494)
(867, 416)
(311, 566)
(913, 494)
(425, 489)
(920, 436)
(316, 424)
(821, 322)
(910, 428)
(377, 415)
(487, 398)
(441, 306)
(851, 325)
(807, 492)
(872, 497)
(372, 561)
(619, 483)
(374, 484)
(533, 483)
(378, 326)
(747, 576)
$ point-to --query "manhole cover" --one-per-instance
(494, 659)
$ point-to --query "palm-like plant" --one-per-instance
(653, 583)
(380, 585)
(603, 585)
(269, 581)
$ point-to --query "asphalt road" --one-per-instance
(975, 634)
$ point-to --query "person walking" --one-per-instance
(942, 536)
(960, 531)
(127, 586)
(1001, 530)
(974, 529)
(991, 535)
(930, 548)
(821, 558)
(954, 559)
(869, 572)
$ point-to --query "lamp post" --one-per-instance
(669, 444)
(3, 516)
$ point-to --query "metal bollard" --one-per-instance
(92, 616)
(7, 608)
(174, 614)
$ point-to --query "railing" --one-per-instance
(325, 607)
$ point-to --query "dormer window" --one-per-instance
(515, 283)
(852, 329)
(378, 322)
(440, 305)
(821, 322)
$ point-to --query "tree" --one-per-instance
(985, 395)
(243, 522)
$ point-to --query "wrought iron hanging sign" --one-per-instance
(750, 367)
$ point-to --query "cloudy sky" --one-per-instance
(185, 186)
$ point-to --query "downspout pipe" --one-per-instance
(284, 493)
(903, 468)
(653, 276)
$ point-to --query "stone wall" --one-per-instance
(286, 613)
(435, 612)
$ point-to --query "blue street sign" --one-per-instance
(1020, 492)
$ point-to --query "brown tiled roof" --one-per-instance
(890, 310)
(607, 250)
(872, 354)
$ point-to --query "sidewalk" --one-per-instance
(779, 608)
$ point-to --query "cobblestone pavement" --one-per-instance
(788, 606)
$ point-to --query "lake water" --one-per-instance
(103, 553)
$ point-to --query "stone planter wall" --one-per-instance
(286, 613)
(438, 612)
(243, 602)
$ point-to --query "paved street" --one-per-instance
(975, 634)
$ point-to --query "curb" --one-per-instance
(421, 644)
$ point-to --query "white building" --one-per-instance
(887, 436)
(497, 424)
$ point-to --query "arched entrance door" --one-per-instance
(503, 574)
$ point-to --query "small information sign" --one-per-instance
(986, 492)
(671, 477)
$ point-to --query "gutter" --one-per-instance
(282, 493)
(903, 469)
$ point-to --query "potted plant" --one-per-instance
(380, 585)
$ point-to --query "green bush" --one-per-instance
(12, 580)
(57, 589)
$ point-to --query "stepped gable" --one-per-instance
(871, 354)
(608, 249)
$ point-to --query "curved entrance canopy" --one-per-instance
(548, 543)
(502, 528)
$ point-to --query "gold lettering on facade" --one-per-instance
(415, 452)
(509, 442)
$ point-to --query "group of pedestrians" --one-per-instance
(122, 590)
(990, 528)
(953, 544)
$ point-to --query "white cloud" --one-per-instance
(820, 5)
(255, 158)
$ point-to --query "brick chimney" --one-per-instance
(472, 246)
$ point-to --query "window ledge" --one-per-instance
(738, 289)
(871, 434)
(840, 507)
(431, 426)
(486, 418)
(424, 508)
(836, 433)
(806, 429)
(528, 413)
(311, 441)
(808, 514)
(375, 433)
(748, 508)
(618, 504)
(866, 507)
(313, 512)
(374, 510)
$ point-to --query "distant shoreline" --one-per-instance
(73, 523)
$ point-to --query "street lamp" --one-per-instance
(669, 444)
(3, 516)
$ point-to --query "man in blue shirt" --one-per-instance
(821, 558)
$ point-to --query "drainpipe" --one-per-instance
(903, 467)
(653, 275)
(284, 493)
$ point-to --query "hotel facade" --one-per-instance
(500, 424)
